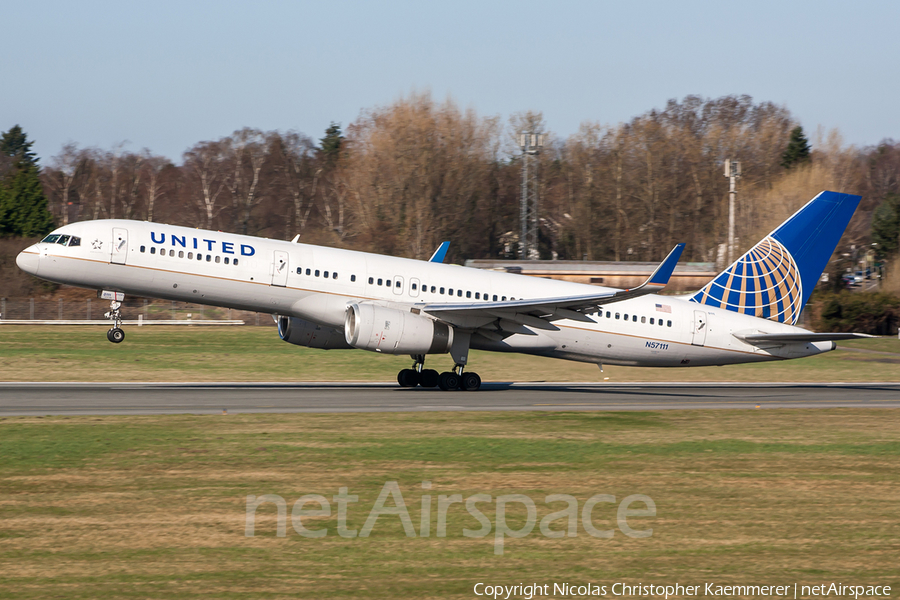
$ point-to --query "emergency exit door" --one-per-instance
(280, 268)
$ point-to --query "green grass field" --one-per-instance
(159, 353)
(154, 506)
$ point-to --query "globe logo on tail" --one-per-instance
(764, 283)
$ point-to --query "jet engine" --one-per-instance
(392, 331)
(303, 333)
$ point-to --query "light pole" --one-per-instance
(530, 144)
(733, 173)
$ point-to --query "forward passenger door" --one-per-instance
(119, 250)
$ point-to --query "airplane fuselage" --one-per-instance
(317, 284)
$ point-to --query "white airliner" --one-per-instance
(331, 298)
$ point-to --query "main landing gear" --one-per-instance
(116, 334)
(448, 380)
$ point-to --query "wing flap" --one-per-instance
(558, 308)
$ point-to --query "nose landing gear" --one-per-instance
(116, 334)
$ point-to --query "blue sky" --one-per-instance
(165, 75)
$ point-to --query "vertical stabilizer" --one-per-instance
(774, 279)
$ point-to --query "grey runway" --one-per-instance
(205, 398)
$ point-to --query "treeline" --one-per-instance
(404, 177)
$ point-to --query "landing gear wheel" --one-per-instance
(115, 335)
(470, 382)
(408, 378)
(429, 378)
(449, 381)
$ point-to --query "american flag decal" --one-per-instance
(663, 308)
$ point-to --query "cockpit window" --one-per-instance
(63, 239)
(51, 239)
(75, 241)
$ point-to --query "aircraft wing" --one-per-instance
(441, 253)
(539, 312)
(786, 338)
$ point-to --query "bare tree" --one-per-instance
(61, 177)
(207, 163)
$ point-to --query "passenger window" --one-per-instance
(468, 294)
(353, 278)
(442, 290)
(371, 280)
(459, 293)
(652, 321)
(218, 259)
(617, 316)
(226, 259)
(152, 249)
(432, 289)
(495, 297)
(208, 257)
(299, 270)
(634, 318)
(172, 254)
(325, 274)
(478, 295)
(660, 322)
(235, 262)
(317, 272)
(199, 256)
(143, 248)
(191, 255)
(181, 255)
(413, 286)
(397, 283)
(334, 275)
(607, 314)
(668, 323)
(380, 281)
(75, 241)
(504, 298)
(308, 272)
(451, 291)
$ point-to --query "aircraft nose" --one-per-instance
(29, 260)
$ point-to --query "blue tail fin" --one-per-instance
(775, 278)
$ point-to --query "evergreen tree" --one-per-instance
(23, 205)
(331, 144)
(797, 149)
(15, 143)
(886, 225)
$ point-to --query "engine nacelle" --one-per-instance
(303, 333)
(392, 331)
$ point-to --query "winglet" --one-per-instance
(663, 272)
(440, 253)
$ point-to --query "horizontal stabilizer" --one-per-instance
(800, 337)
